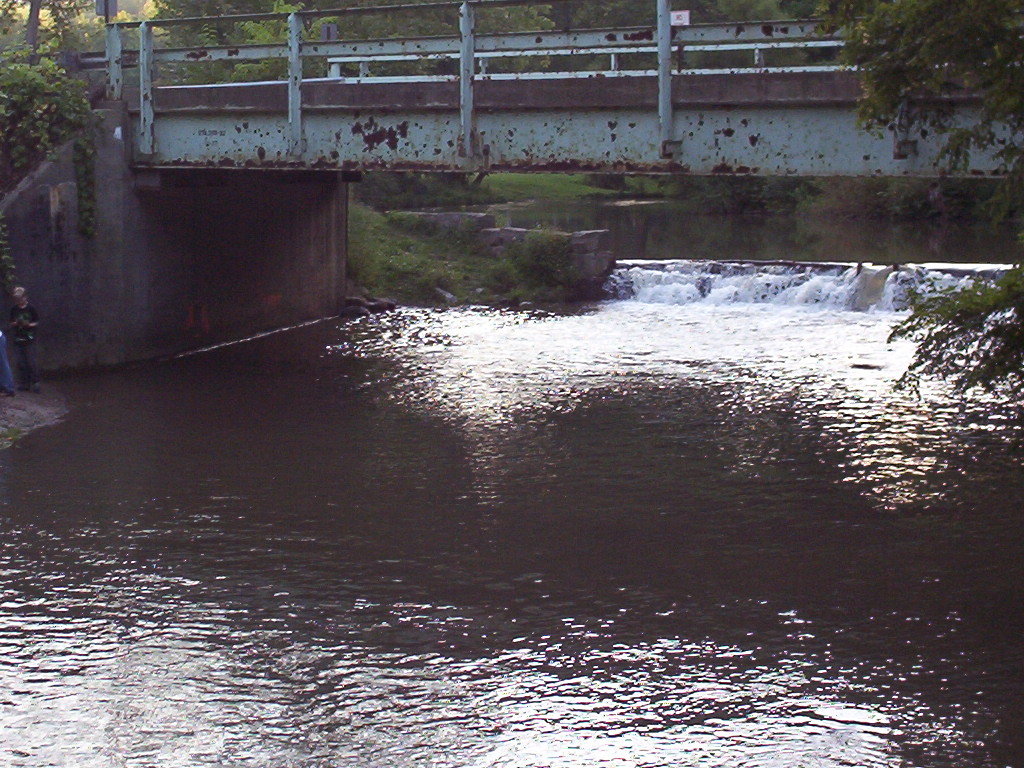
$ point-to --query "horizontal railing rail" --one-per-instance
(662, 44)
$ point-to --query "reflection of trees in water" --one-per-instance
(669, 231)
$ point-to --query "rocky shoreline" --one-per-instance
(28, 411)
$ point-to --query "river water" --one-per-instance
(692, 526)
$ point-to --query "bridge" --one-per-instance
(225, 145)
(762, 98)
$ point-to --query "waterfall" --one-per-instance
(838, 286)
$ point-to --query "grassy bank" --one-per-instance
(868, 198)
(408, 191)
(398, 256)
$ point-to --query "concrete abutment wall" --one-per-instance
(179, 259)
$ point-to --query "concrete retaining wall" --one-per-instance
(179, 259)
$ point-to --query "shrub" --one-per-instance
(41, 107)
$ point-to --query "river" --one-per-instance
(675, 529)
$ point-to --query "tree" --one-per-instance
(61, 16)
(41, 107)
(924, 54)
(973, 338)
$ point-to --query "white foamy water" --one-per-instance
(857, 287)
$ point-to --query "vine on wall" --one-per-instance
(84, 158)
(41, 109)
(7, 270)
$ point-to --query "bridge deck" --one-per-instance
(795, 120)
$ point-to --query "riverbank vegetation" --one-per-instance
(409, 191)
(404, 258)
(914, 55)
(41, 108)
(872, 198)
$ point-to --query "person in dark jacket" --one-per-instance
(24, 321)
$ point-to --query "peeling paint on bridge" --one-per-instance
(744, 121)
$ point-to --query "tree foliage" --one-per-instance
(926, 55)
(973, 337)
(41, 107)
(48, 24)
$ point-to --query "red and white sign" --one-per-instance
(680, 18)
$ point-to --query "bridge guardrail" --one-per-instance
(664, 43)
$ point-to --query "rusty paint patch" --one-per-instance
(200, 53)
(611, 37)
(753, 139)
(723, 168)
(767, 30)
(643, 34)
(233, 51)
(727, 132)
(261, 153)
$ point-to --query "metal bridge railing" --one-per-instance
(662, 43)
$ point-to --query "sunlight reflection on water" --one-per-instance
(632, 536)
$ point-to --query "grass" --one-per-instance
(397, 256)
(515, 187)
(408, 191)
(9, 436)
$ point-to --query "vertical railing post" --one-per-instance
(147, 142)
(665, 121)
(115, 70)
(295, 147)
(467, 65)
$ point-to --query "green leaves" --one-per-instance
(925, 52)
(928, 53)
(973, 337)
(7, 271)
(41, 107)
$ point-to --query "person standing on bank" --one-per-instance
(6, 378)
(24, 320)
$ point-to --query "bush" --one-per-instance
(41, 107)
(543, 260)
